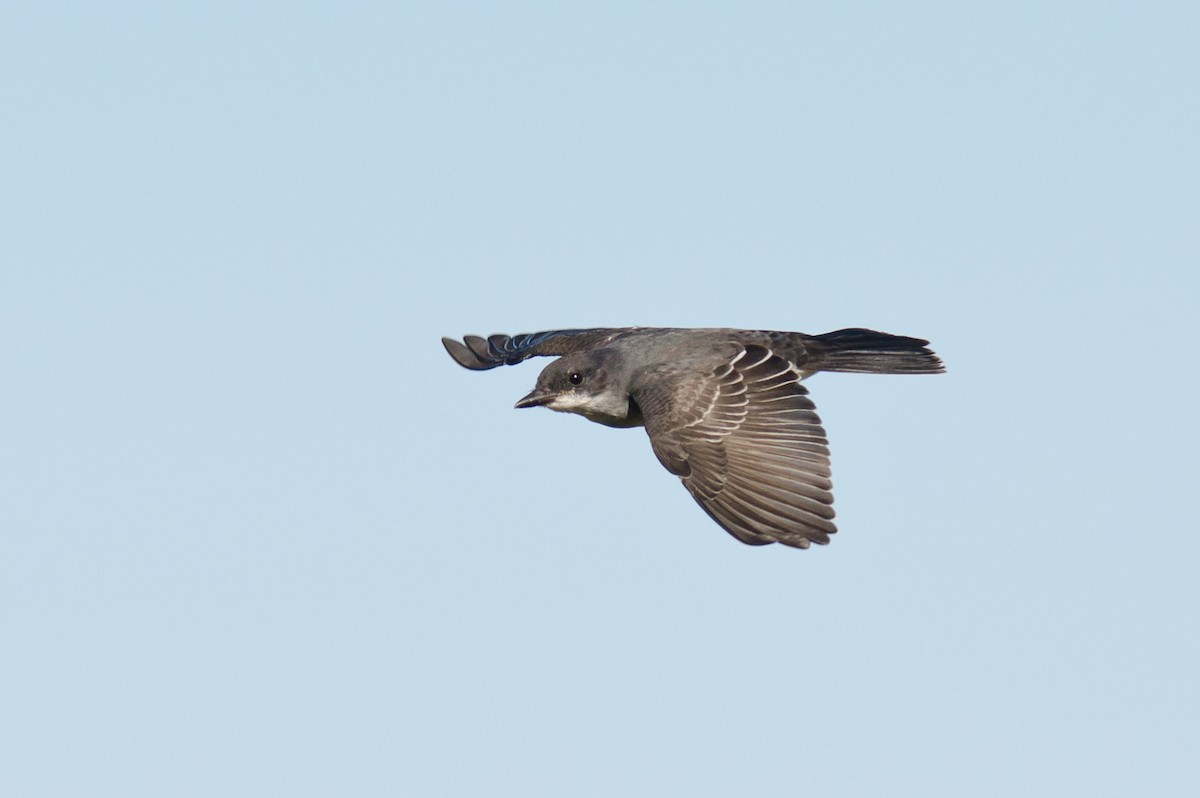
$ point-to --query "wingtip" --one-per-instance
(936, 366)
(462, 355)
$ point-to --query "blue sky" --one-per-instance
(260, 536)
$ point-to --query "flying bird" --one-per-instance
(724, 408)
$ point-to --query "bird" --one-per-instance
(724, 408)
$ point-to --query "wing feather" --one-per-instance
(747, 442)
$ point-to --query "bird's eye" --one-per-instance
(575, 377)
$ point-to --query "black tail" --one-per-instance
(870, 352)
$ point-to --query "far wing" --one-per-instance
(479, 353)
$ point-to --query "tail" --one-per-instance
(870, 352)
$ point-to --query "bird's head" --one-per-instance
(587, 383)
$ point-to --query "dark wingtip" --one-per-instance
(464, 356)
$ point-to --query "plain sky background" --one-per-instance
(260, 536)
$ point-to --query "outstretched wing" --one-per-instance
(503, 350)
(745, 439)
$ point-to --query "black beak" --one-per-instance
(535, 398)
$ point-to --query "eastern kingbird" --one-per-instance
(724, 409)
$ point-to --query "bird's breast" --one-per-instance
(610, 413)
